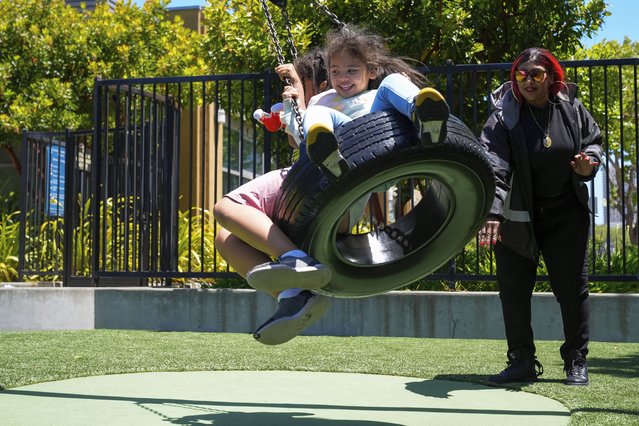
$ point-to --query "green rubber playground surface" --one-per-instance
(276, 398)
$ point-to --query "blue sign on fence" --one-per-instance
(56, 159)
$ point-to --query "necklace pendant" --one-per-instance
(547, 142)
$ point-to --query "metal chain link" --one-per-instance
(287, 25)
(328, 12)
(271, 27)
(280, 57)
(293, 49)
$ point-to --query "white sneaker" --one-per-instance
(289, 272)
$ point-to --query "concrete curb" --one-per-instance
(467, 315)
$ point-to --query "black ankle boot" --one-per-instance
(522, 367)
(576, 369)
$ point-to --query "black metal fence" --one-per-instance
(54, 232)
(136, 204)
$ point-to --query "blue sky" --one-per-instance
(622, 22)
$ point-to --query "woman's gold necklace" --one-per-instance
(547, 141)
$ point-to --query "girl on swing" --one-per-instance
(365, 78)
(249, 238)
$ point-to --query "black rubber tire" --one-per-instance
(383, 147)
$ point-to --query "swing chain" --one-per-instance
(271, 28)
(280, 57)
(287, 25)
(331, 15)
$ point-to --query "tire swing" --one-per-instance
(383, 147)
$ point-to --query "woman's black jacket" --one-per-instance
(502, 137)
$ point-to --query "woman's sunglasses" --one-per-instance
(536, 75)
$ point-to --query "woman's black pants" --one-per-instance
(562, 237)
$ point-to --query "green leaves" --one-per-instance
(51, 53)
(238, 38)
(47, 40)
(9, 229)
(612, 102)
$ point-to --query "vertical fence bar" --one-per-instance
(636, 160)
(622, 164)
(69, 197)
(190, 177)
(126, 165)
(26, 169)
(220, 113)
(593, 263)
(202, 218)
(96, 172)
(152, 211)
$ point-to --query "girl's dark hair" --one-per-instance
(312, 67)
(541, 57)
(370, 49)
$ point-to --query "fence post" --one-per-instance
(23, 206)
(169, 195)
(95, 178)
(450, 93)
(450, 89)
(69, 197)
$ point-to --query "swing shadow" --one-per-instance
(230, 413)
(221, 413)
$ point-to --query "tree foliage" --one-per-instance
(613, 103)
(430, 31)
(50, 55)
(39, 63)
(506, 29)
(238, 38)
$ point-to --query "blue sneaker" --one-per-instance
(293, 315)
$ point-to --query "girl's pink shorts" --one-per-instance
(262, 192)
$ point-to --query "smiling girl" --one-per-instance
(366, 78)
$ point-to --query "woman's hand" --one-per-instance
(583, 164)
(489, 233)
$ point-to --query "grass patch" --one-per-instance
(41, 356)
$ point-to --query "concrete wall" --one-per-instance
(399, 313)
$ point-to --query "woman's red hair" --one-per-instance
(541, 57)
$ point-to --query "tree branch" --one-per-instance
(14, 158)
